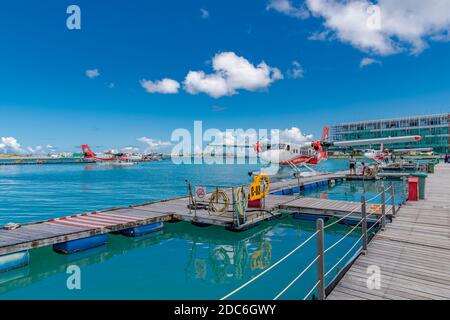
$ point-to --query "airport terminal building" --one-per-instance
(434, 129)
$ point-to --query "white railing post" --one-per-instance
(393, 199)
(364, 223)
(320, 261)
(383, 208)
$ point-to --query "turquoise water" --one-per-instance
(40, 192)
(182, 261)
(353, 190)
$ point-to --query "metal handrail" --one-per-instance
(321, 251)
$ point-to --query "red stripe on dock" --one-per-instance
(124, 217)
(72, 224)
(112, 220)
(89, 221)
(117, 217)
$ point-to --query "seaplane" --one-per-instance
(109, 158)
(384, 154)
(280, 156)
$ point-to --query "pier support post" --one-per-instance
(364, 224)
(320, 261)
(383, 208)
(404, 190)
(393, 199)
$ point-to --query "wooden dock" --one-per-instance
(44, 233)
(413, 253)
(332, 208)
(74, 227)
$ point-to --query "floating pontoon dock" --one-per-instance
(79, 226)
(412, 254)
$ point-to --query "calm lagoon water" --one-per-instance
(180, 262)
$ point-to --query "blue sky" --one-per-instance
(46, 98)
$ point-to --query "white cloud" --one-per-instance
(92, 73)
(397, 26)
(48, 149)
(164, 86)
(231, 73)
(287, 7)
(205, 13)
(368, 61)
(296, 72)
(153, 143)
(10, 145)
(319, 36)
(293, 134)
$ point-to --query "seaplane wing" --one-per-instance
(387, 140)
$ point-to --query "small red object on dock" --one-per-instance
(413, 184)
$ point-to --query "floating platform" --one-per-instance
(137, 218)
(332, 208)
(394, 175)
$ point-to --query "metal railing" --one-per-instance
(223, 200)
(319, 234)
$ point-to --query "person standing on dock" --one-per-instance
(352, 164)
(446, 158)
(363, 168)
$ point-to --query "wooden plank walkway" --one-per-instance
(334, 208)
(413, 253)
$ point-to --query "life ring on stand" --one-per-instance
(260, 187)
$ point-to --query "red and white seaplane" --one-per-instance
(293, 156)
(383, 154)
(115, 159)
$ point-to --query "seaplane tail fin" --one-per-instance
(325, 134)
(324, 149)
(87, 151)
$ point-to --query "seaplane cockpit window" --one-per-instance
(280, 146)
(288, 147)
